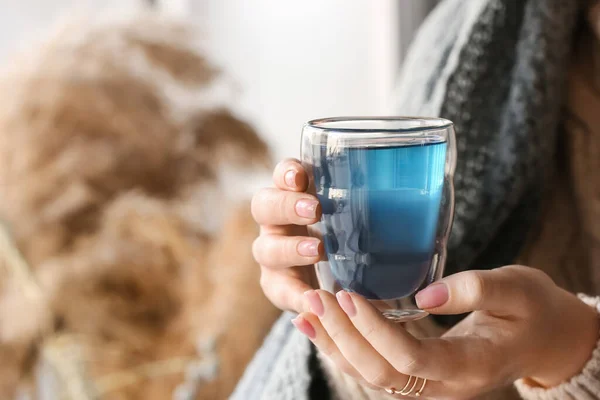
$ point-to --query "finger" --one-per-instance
(285, 288)
(434, 359)
(402, 350)
(274, 251)
(289, 175)
(366, 360)
(309, 325)
(277, 207)
(503, 291)
(373, 368)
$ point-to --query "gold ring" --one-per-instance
(408, 389)
(405, 391)
(420, 391)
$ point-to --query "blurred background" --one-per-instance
(125, 235)
(293, 61)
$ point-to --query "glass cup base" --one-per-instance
(404, 315)
(399, 310)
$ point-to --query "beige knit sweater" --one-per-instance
(566, 243)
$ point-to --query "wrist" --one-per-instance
(575, 337)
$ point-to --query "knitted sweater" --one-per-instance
(569, 254)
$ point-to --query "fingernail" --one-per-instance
(433, 296)
(308, 248)
(307, 208)
(314, 302)
(345, 301)
(290, 178)
(304, 326)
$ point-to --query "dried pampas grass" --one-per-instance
(129, 261)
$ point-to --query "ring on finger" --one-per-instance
(411, 384)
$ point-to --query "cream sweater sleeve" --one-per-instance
(585, 386)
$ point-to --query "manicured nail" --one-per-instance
(307, 208)
(345, 301)
(290, 178)
(314, 302)
(304, 326)
(433, 296)
(308, 248)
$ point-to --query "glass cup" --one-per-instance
(387, 199)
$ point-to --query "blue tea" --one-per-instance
(380, 218)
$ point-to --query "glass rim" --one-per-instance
(398, 125)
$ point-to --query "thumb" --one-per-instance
(504, 291)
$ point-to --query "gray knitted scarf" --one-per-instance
(496, 68)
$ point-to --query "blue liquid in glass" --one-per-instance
(380, 215)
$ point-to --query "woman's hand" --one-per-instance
(523, 325)
(285, 252)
